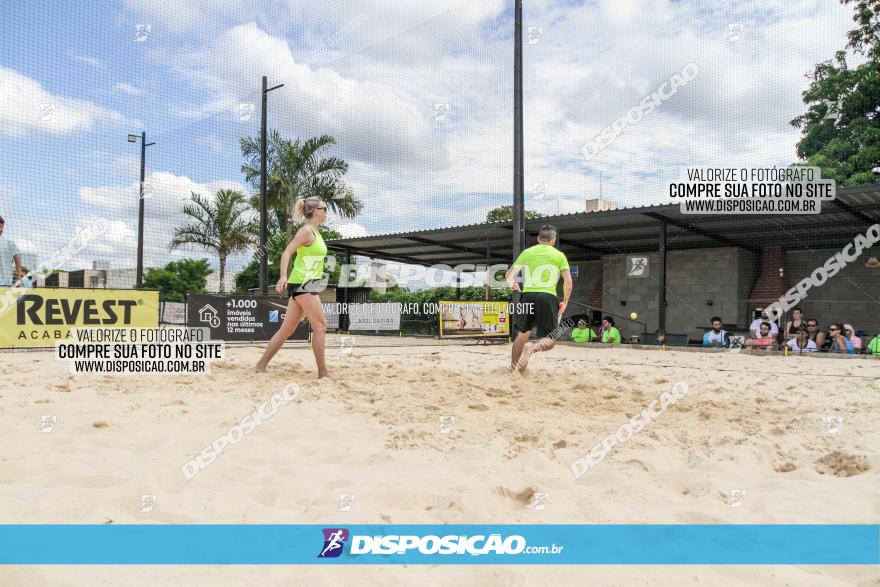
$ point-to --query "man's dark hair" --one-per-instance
(798, 309)
(660, 332)
(2, 221)
(547, 232)
(609, 319)
(768, 325)
(716, 318)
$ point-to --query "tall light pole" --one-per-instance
(139, 280)
(264, 230)
(519, 227)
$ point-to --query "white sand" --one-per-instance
(752, 423)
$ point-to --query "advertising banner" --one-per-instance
(240, 317)
(173, 313)
(482, 319)
(41, 316)
(374, 316)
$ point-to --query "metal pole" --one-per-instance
(661, 319)
(264, 267)
(518, 206)
(139, 280)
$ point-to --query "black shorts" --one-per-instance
(544, 315)
(313, 286)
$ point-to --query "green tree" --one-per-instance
(297, 170)
(224, 226)
(177, 278)
(505, 213)
(841, 127)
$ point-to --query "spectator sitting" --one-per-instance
(609, 332)
(874, 345)
(755, 327)
(583, 333)
(839, 342)
(764, 340)
(715, 337)
(802, 343)
(793, 325)
(660, 337)
(816, 335)
(850, 333)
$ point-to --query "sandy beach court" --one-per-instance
(443, 434)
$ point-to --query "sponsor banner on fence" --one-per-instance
(240, 316)
(374, 316)
(41, 316)
(433, 544)
(474, 319)
(173, 313)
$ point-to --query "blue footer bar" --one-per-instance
(264, 544)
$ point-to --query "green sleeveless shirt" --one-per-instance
(309, 261)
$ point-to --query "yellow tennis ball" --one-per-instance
(633, 315)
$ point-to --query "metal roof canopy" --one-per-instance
(585, 236)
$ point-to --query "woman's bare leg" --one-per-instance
(291, 319)
(311, 306)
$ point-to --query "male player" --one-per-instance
(542, 266)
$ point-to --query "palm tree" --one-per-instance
(296, 170)
(224, 226)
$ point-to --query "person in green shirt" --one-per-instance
(541, 266)
(582, 333)
(874, 345)
(303, 283)
(609, 332)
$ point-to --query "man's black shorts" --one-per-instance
(544, 315)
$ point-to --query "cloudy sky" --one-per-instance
(418, 95)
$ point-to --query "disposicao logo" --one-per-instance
(334, 541)
(273, 315)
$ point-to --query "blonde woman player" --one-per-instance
(303, 284)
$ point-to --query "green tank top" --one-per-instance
(309, 261)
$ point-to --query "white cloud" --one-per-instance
(29, 107)
(162, 214)
(370, 72)
(93, 61)
(127, 89)
(349, 229)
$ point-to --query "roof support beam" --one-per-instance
(697, 230)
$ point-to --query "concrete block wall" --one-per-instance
(722, 276)
(852, 296)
